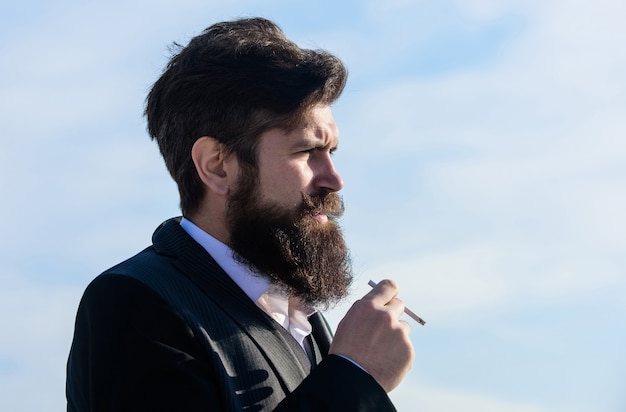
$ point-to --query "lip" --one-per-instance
(321, 218)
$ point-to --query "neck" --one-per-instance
(213, 221)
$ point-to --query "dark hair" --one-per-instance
(233, 82)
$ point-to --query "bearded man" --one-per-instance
(222, 312)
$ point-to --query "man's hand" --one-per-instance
(372, 335)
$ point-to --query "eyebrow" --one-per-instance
(313, 144)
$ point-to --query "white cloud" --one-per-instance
(38, 325)
(425, 398)
(450, 283)
(485, 10)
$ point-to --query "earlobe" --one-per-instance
(209, 157)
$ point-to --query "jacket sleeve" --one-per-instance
(337, 385)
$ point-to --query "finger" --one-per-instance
(405, 327)
(383, 292)
(395, 306)
(394, 310)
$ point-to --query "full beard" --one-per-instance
(309, 259)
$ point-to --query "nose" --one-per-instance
(327, 178)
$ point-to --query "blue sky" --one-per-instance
(484, 160)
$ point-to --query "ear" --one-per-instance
(213, 164)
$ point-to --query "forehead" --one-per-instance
(320, 120)
(318, 128)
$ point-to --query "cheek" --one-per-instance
(285, 182)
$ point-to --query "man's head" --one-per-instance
(233, 82)
(242, 117)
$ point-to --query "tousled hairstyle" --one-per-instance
(233, 82)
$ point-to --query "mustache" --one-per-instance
(329, 204)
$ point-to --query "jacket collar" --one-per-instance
(193, 261)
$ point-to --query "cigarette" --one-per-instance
(406, 310)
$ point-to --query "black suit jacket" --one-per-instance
(168, 330)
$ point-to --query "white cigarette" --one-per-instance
(406, 310)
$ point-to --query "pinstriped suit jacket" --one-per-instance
(168, 330)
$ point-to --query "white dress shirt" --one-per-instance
(271, 298)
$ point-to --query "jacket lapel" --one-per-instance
(195, 263)
(322, 334)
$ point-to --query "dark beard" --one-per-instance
(308, 258)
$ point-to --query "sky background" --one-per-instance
(483, 149)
